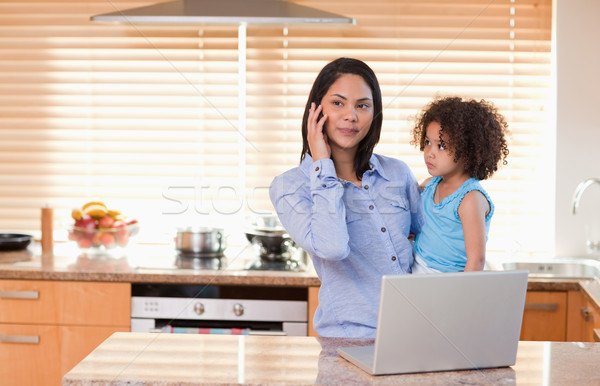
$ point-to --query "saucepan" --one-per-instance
(200, 240)
(14, 241)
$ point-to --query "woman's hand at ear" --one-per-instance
(317, 139)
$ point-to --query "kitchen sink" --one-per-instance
(575, 268)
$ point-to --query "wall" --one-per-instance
(578, 126)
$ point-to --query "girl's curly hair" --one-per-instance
(475, 133)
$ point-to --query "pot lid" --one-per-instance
(199, 229)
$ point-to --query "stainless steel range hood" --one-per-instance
(224, 12)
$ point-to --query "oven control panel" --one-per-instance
(219, 309)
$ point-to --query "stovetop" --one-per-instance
(233, 259)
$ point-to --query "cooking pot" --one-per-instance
(273, 246)
(200, 240)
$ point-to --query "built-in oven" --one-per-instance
(219, 309)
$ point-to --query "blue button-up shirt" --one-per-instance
(353, 234)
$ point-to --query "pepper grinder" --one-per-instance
(47, 231)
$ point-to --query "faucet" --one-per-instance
(580, 189)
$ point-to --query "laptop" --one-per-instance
(445, 321)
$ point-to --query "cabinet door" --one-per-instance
(42, 354)
(582, 318)
(55, 302)
(545, 316)
(313, 303)
(29, 355)
(576, 323)
(76, 342)
(590, 320)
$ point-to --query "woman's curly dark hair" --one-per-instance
(475, 133)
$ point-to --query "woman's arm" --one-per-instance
(312, 210)
(472, 212)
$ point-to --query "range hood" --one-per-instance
(224, 12)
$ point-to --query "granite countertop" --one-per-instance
(182, 359)
(157, 264)
(144, 264)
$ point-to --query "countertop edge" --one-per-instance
(221, 277)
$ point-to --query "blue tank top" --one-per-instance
(441, 242)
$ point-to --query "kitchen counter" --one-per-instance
(156, 264)
(144, 264)
(177, 359)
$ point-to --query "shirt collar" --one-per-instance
(376, 167)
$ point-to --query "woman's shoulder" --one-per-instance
(390, 163)
(290, 176)
(297, 171)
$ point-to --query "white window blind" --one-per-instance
(146, 117)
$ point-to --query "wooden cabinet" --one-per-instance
(313, 302)
(47, 327)
(583, 318)
(559, 316)
(545, 316)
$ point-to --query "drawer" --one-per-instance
(545, 316)
(58, 302)
(41, 355)
(33, 363)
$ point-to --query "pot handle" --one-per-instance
(222, 240)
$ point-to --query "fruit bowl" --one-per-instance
(103, 241)
(99, 231)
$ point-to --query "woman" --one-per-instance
(350, 209)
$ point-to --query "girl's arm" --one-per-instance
(472, 212)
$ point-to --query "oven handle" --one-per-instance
(269, 333)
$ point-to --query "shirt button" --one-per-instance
(383, 229)
(324, 185)
(366, 186)
(393, 258)
(317, 169)
(371, 207)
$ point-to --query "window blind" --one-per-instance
(146, 117)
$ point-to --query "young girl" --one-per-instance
(463, 142)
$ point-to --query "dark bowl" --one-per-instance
(14, 241)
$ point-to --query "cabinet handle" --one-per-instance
(587, 314)
(542, 306)
(19, 339)
(20, 294)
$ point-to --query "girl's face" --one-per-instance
(438, 158)
(349, 107)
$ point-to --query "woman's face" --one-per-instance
(349, 107)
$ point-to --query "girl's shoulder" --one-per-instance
(472, 184)
(468, 186)
(430, 183)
